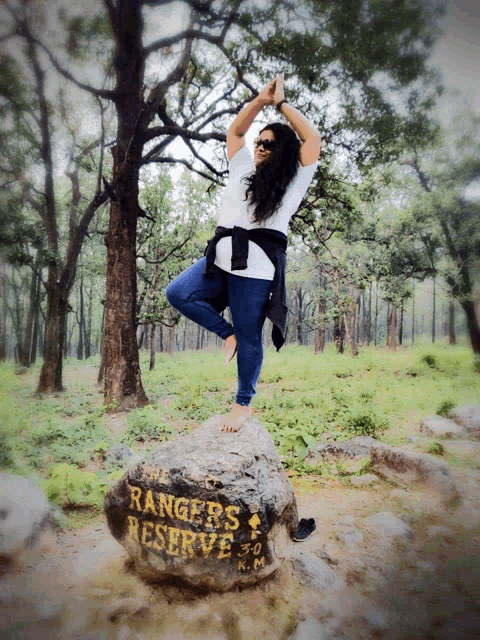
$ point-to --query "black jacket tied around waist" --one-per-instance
(274, 243)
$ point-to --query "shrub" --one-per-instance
(6, 454)
(436, 448)
(429, 360)
(365, 422)
(476, 363)
(144, 425)
(68, 486)
(445, 407)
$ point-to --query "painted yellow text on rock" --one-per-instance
(216, 541)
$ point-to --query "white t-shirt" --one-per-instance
(235, 211)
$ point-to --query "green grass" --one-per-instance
(302, 398)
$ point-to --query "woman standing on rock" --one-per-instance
(244, 264)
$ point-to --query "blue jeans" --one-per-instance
(203, 299)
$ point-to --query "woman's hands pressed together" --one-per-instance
(273, 92)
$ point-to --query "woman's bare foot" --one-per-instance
(229, 348)
(234, 419)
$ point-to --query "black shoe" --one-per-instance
(305, 529)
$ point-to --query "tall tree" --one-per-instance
(365, 52)
(452, 218)
(39, 191)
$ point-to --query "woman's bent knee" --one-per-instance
(173, 295)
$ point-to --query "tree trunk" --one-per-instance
(123, 385)
(51, 373)
(413, 313)
(452, 338)
(359, 315)
(299, 296)
(376, 316)
(320, 335)
(152, 346)
(199, 333)
(87, 338)
(81, 322)
(36, 322)
(3, 333)
(25, 355)
(171, 339)
(434, 313)
(472, 324)
(349, 321)
(322, 310)
(368, 328)
(400, 332)
(392, 328)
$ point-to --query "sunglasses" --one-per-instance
(268, 145)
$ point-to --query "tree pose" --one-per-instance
(244, 264)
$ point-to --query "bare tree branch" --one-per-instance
(186, 134)
(99, 93)
(190, 166)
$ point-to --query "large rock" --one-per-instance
(409, 467)
(400, 465)
(468, 416)
(26, 518)
(439, 427)
(213, 509)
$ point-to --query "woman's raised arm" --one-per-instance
(306, 131)
(241, 124)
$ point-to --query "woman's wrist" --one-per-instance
(278, 105)
(261, 102)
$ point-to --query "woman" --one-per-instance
(244, 266)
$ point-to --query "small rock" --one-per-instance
(99, 593)
(309, 629)
(398, 493)
(376, 619)
(315, 573)
(347, 533)
(364, 481)
(330, 552)
(121, 455)
(21, 371)
(389, 525)
(25, 515)
(351, 538)
(465, 447)
(423, 565)
(125, 633)
(466, 415)
(125, 607)
(409, 519)
(435, 532)
(440, 427)
(312, 459)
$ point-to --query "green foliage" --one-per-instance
(143, 424)
(445, 407)
(429, 359)
(365, 423)
(70, 487)
(476, 363)
(436, 448)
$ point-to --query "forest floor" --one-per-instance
(424, 587)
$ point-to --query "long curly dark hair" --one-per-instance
(266, 187)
